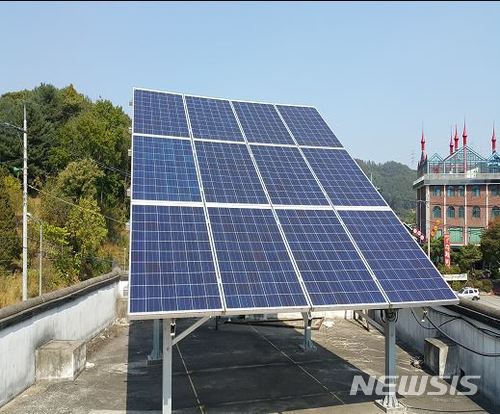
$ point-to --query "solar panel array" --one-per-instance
(242, 207)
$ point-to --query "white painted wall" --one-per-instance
(78, 319)
(409, 331)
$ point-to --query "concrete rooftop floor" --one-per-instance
(237, 368)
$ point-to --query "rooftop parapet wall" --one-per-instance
(78, 313)
(473, 324)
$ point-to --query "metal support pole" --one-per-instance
(40, 254)
(390, 400)
(25, 207)
(308, 343)
(168, 334)
(156, 354)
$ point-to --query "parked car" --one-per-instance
(468, 293)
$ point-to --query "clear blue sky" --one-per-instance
(375, 71)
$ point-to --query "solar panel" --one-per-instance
(228, 173)
(307, 126)
(163, 169)
(330, 266)
(342, 179)
(287, 177)
(172, 268)
(404, 271)
(255, 267)
(212, 118)
(261, 123)
(243, 226)
(159, 113)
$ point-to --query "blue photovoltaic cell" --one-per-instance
(261, 123)
(212, 118)
(340, 176)
(308, 127)
(228, 173)
(159, 113)
(172, 267)
(255, 267)
(332, 270)
(287, 177)
(404, 271)
(163, 169)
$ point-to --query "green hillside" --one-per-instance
(77, 176)
(394, 180)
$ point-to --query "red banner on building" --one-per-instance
(447, 256)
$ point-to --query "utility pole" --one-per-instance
(24, 130)
(25, 207)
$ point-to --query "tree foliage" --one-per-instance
(394, 181)
(78, 163)
(490, 247)
(468, 256)
(87, 231)
(48, 108)
(9, 238)
(78, 180)
(437, 251)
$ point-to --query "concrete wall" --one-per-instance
(79, 318)
(409, 331)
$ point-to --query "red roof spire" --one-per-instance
(456, 138)
(423, 157)
(451, 142)
(493, 141)
(464, 135)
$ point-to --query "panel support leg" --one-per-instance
(155, 356)
(390, 401)
(308, 343)
(168, 335)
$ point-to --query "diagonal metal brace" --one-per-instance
(189, 330)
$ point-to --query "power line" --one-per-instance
(437, 328)
(486, 331)
(75, 205)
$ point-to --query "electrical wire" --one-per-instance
(74, 205)
(486, 331)
(485, 354)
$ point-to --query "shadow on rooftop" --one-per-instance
(239, 368)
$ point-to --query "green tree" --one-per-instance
(78, 180)
(87, 232)
(47, 109)
(13, 189)
(437, 251)
(490, 247)
(9, 238)
(468, 256)
(100, 134)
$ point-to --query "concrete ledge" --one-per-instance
(13, 314)
(441, 356)
(60, 360)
